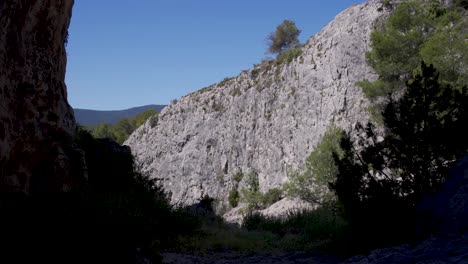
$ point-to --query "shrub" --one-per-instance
(225, 81)
(319, 224)
(254, 198)
(418, 30)
(271, 196)
(321, 170)
(251, 193)
(257, 221)
(288, 56)
(238, 176)
(254, 73)
(233, 197)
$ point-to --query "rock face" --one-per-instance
(35, 119)
(265, 120)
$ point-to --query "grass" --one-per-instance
(317, 225)
(226, 237)
(319, 230)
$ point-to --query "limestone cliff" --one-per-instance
(36, 122)
(265, 120)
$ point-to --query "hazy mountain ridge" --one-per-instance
(88, 117)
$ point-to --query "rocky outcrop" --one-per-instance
(36, 122)
(266, 120)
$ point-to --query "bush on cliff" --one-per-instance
(311, 185)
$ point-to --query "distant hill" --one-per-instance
(89, 117)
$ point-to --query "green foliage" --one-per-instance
(312, 184)
(461, 3)
(288, 56)
(233, 197)
(225, 81)
(376, 89)
(320, 162)
(299, 231)
(415, 31)
(141, 118)
(254, 198)
(222, 237)
(425, 135)
(237, 177)
(271, 196)
(251, 193)
(284, 38)
(423, 123)
(257, 221)
(447, 49)
(252, 182)
(311, 226)
(255, 72)
(395, 47)
(125, 127)
(103, 130)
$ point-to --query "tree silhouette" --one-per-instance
(425, 134)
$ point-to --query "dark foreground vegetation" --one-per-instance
(418, 132)
(371, 184)
(116, 216)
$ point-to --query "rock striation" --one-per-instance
(267, 120)
(36, 121)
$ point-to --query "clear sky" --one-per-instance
(127, 53)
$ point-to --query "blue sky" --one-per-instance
(126, 53)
